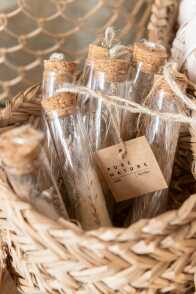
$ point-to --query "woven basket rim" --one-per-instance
(104, 236)
(161, 243)
(152, 256)
(27, 103)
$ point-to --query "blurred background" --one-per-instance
(30, 30)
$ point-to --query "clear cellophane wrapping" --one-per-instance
(86, 199)
(57, 72)
(27, 168)
(106, 125)
(162, 136)
(108, 76)
(147, 60)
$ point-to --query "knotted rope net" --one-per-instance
(31, 30)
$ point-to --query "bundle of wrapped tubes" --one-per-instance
(98, 166)
(106, 134)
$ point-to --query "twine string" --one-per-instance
(119, 50)
(134, 107)
(115, 50)
(168, 69)
(109, 37)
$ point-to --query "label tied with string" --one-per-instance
(132, 172)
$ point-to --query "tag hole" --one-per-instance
(119, 150)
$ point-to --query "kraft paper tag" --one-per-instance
(133, 175)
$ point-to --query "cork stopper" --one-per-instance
(97, 52)
(116, 70)
(60, 105)
(160, 83)
(58, 63)
(150, 55)
(19, 149)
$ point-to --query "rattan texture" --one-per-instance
(193, 136)
(163, 18)
(31, 30)
(150, 257)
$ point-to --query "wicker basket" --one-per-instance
(151, 256)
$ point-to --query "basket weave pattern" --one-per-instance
(163, 18)
(152, 256)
